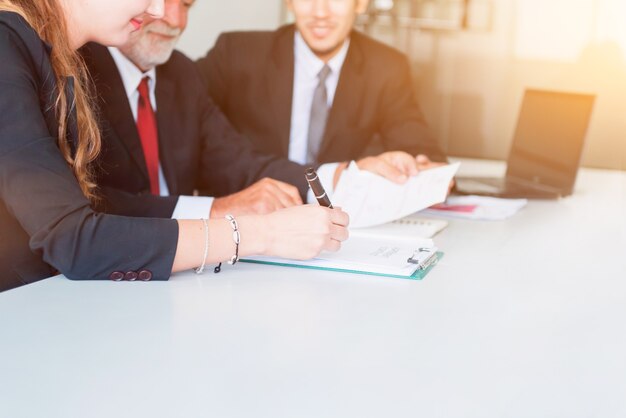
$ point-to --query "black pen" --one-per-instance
(318, 189)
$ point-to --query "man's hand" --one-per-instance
(406, 163)
(264, 196)
(424, 163)
(396, 166)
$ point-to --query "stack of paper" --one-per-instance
(411, 226)
(477, 208)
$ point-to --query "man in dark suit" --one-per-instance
(164, 138)
(269, 84)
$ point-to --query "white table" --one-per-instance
(522, 318)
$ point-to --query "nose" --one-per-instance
(175, 14)
(320, 8)
(155, 9)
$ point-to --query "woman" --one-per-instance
(48, 139)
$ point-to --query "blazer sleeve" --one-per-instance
(42, 194)
(234, 158)
(403, 125)
(230, 162)
(119, 202)
(214, 70)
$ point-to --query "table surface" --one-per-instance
(522, 318)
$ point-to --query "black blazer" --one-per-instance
(46, 224)
(250, 76)
(198, 148)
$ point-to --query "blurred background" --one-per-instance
(473, 59)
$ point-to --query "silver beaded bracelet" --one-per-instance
(236, 238)
(200, 269)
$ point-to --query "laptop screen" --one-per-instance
(549, 138)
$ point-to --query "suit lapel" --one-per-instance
(280, 83)
(114, 103)
(344, 111)
(167, 129)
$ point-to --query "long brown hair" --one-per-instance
(48, 20)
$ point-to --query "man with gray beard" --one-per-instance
(164, 139)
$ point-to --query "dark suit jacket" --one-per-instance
(46, 224)
(199, 150)
(250, 76)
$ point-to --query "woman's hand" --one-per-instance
(302, 232)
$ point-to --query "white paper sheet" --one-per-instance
(372, 200)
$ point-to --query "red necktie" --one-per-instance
(147, 128)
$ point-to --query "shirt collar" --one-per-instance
(131, 75)
(311, 64)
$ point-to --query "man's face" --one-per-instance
(325, 24)
(154, 43)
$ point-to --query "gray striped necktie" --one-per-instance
(319, 115)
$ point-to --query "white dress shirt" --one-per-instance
(305, 81)
(187, 207)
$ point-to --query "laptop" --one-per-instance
(546, 151)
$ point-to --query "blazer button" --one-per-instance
(116, 276)
(131, 276)
(145, 275)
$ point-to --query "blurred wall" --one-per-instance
(208, 18)
(471, 82)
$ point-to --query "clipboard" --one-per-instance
(419, 274)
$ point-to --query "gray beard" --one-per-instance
(147, 55)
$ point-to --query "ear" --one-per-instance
(361, 6)
(289, 5)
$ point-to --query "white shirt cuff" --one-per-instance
(326, 174)
(193, 207)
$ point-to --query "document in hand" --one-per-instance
(372, 200)
(381, 256)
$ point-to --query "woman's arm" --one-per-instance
(300, 232)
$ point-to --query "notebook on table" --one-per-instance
(411, 226)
